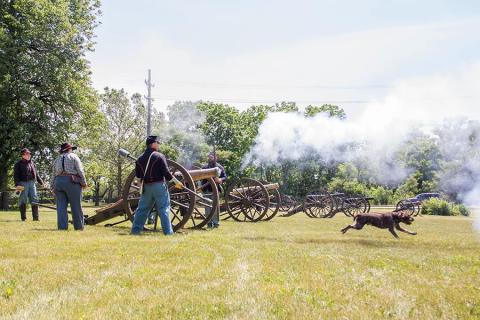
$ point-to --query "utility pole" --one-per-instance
(149, 102)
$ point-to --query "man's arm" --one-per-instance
(81, 173)
(223, 174)
(37, 176)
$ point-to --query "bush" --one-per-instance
(442, 207)
(381, 195)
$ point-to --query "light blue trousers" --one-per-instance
(29, 193)
(68, 192)
(154, 194)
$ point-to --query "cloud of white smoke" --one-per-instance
(431, 105)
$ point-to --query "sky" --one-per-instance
(349, 53)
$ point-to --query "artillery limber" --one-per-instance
(326, 205)
(194, 205)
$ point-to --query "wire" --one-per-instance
(263, 101)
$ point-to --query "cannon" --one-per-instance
(187, 206)
(245, 199)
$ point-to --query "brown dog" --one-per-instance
(390, 221)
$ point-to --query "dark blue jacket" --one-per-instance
(157, 170)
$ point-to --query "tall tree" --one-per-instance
(45, 91)
(125, 128)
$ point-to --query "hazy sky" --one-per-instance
(250, 52)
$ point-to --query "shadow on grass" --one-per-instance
(372, 243)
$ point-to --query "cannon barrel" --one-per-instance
(270, 186)
(203, 174)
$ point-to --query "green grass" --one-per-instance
(288, 268)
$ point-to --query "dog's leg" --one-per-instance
(346, 228)
(399, 228)
(357, 226)
(392, 231)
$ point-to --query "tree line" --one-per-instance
(46, 98)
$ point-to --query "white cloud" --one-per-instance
(283, 73)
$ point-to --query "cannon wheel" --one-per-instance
(417, 209)
(355, 205)
(287, 203)
(320, 206)
(275, 202)
(405, 207)
(182, 203)
(247, 199)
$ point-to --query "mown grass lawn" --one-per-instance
(288, 268)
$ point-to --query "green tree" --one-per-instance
(45, 92)
(409, 188)
(125, 128)
(332, 111)
(422, 154)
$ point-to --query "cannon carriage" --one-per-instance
(194, 205)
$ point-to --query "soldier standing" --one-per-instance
(25, 176)
(212, 163)
(151, 167)
(68, 184)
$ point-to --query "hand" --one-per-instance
(178, 185)
(218, 180)
(84, 186)
(19, 189)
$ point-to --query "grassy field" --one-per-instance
(288, 268)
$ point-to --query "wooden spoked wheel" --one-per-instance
(319, 206)
(405, 207)
(247, 200)
(354, 206)
(275, 202)
(287, 203)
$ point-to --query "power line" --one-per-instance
(273, 86)
(263, 101)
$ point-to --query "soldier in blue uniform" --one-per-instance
(151, 167)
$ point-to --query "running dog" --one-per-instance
(390, 221)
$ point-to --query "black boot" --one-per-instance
(23, 211)
(35, 212)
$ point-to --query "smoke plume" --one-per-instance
(443, 107)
